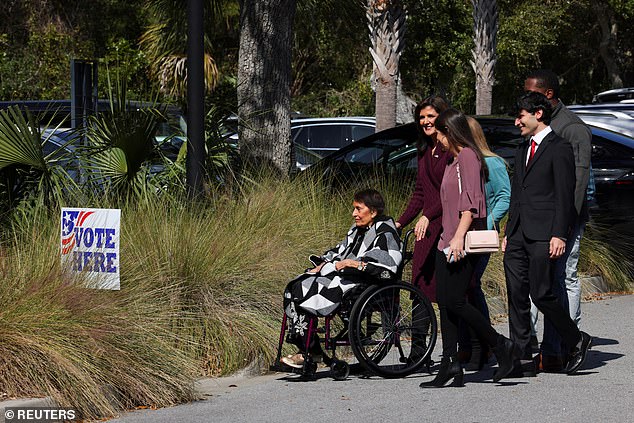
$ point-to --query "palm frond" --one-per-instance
(20, 140)
(28, 174)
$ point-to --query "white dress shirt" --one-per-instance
(538, 138)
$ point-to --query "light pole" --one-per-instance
(195, 98)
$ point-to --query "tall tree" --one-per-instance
(386, 21)
(485, 29)
(165, 43)
(264, 82)
(609, 29)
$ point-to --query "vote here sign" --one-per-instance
(90, 245)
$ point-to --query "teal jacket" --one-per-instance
(498, 191)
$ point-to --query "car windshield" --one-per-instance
(374, 152)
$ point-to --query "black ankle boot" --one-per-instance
(449, 369)
(485, 354)
(506, 352)
(479, 358)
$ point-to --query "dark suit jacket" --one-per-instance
(542, 194)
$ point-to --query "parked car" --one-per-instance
(615, 96)
(612, 117)
(325, 135)
(392, 154)
(315, 138)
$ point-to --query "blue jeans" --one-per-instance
(567, 288)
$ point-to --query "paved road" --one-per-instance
(603, 391)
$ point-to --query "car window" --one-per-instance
(360, 131)
(372, 153)
(368, 155)
(403, 160)
(603, 148)
(306, 157)
(327, 136)
(299, 136)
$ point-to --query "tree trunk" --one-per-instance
(385, 104)
(264, 81)
(484, 96)
(386, 21)
(404, 106)
(485, 28)
(609, 30)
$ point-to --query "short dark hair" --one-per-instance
(532, 102)
(439, 104)
(372, 199)
(545, 79)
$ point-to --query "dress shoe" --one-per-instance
(449, 369)
(579, 353)
(506, 352)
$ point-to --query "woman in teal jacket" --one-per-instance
(498, 195)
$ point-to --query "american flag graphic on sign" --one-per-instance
(89, 245)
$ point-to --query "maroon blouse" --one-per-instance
(426, 195)
(456, 199)
(426, 199)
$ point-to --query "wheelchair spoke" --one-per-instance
(393, 330)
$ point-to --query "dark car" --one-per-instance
(392, 154)
(393, 151)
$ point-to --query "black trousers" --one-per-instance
(529, 270)
(452, 281)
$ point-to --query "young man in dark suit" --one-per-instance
(540, 217)
(567, 284)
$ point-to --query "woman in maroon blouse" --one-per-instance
(425, 199)
(463, 204)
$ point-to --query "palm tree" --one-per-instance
(121, 156)
(386, 22)
(165, 43)
(485, 28)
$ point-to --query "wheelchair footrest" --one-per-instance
(283, 368)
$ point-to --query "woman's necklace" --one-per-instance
(433, 151)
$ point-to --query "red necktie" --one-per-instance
(533, 147)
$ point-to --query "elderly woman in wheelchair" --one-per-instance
(371, 254)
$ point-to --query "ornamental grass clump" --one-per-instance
(232, 257)
(98, 352)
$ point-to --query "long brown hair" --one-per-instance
(479, 138)
(439, 104)
(455, 126)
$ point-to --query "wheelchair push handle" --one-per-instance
(406, 253)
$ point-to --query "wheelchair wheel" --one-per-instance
(393, 329)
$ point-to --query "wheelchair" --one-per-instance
(386, 329)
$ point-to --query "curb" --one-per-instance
(45, 402)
